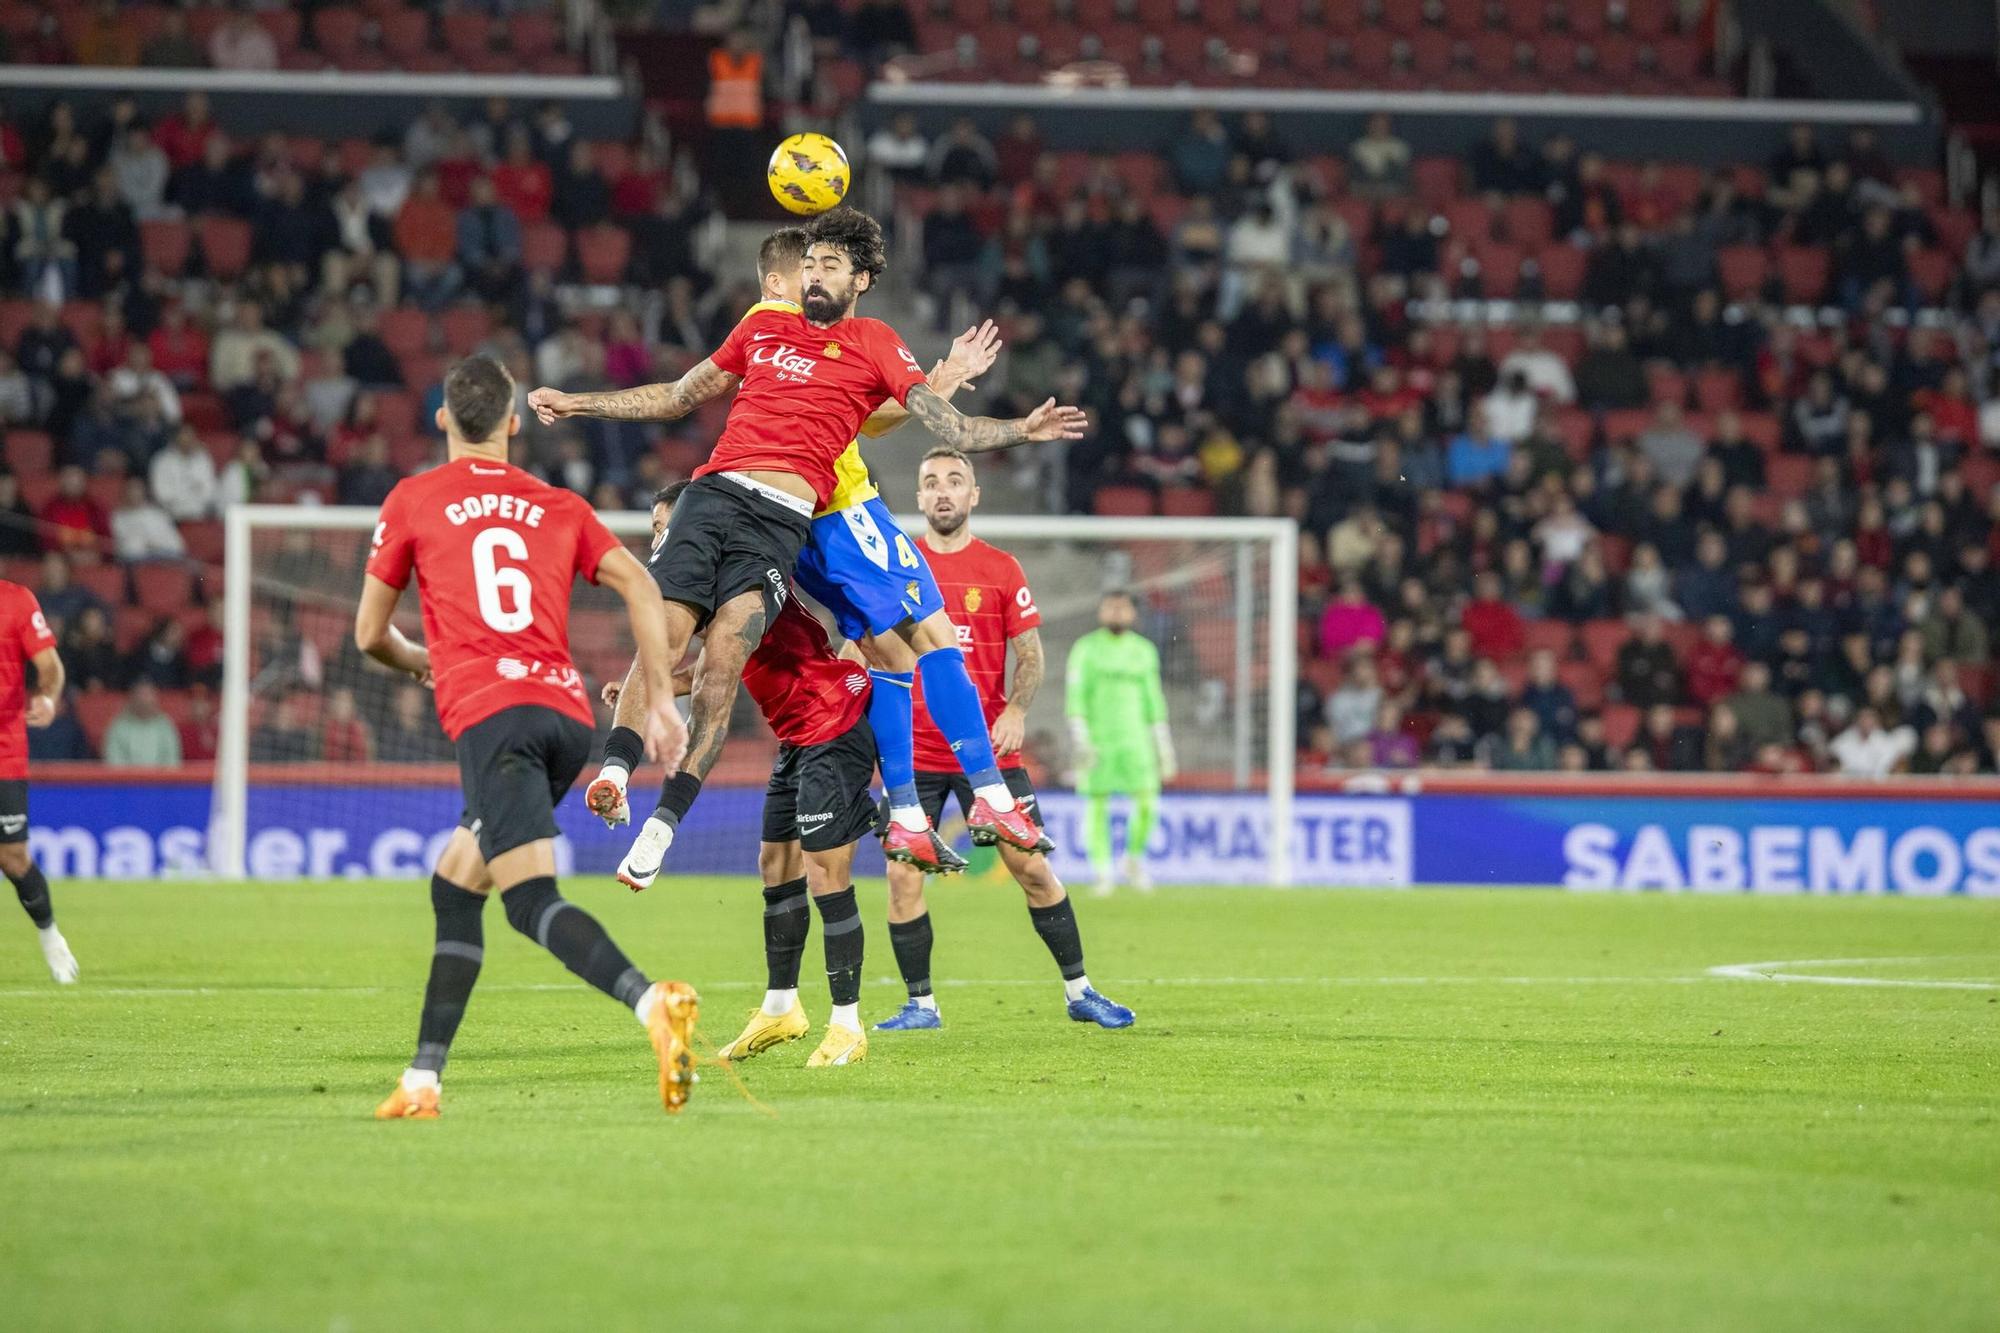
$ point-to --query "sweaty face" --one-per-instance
(1116, 614)
(946, 494)
(830, 284)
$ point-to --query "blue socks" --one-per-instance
(889, 716)
(953, 704)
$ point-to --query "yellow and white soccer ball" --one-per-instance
(808, 173)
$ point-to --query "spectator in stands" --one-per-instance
(900, 151)
(142, 530)
(1954, 633)
(200, 730)
(1867, 749)
(1502, 164)
(172, 47)
(107, 38)
(1668, 745)
(162, 657)
(1352, 707)
(1200, 156)
(63, 599)
(283, 736)
(179, 349)
(238, 349)
(429, 137)
(1389, 744)
(581, 195)
(1764, 714)
(1349, 619)
(1646, 671)
(344, 737)
(356, 247)
(1608, 376)
(1649, 585)
(1492, 621)
(1674, 449)
(963, 157)
(240, 42)
(1551, 701)
(411, 735)
(1725, 747)
(72, 522)
(136, 379)
(44, 256)
(521, 181)
(62, 741)
(89, 654)
(1524, 746)
(880, 30)
(367, 477)
(1485, 704)
(1714, 664)
(366, 358)
(489, 244)
(17, 525)
(20, 403)
(953, 255)
(1015, 153)
(220, 182)
(1478, 455)
(141, 170)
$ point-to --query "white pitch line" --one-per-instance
(1779, 970)
(201, 992)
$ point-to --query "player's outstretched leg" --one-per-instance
(1054, 918)
(910, 937)
(845, 1042)
(455, 962)
(1097, 841)
(907, 835)
(781, 1018)
(1145, 813)
(953, 703)
(32, 888)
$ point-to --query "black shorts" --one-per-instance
(13, 810)
(932, 788)
(823, 795)
(725, 540)
(515, 768)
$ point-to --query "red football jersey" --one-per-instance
(25, 630)
(807, 693)
(495, 551)
(987, 599)
(805, 391)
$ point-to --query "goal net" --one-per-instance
(331, 766)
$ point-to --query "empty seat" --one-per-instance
(544, 245)
(1123, 502)
(1743, 270)
(602, 253)
(162, 588)
(1803, 269)
(166, 244)
(225, 244)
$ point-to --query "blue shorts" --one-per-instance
(861, 567)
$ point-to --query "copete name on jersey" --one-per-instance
(510, 507)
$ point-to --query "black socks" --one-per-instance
(536, 910)
(1056, 924)
(840, 933)
(32, 888)
(787, 921)
(912, 942)
(461, 938)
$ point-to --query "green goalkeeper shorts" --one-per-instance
(1122, 772)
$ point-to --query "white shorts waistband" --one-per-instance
(771, 493)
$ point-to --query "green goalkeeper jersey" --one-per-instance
(1113, 688)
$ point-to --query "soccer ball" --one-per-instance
(808, 173)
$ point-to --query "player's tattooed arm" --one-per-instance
(972, 355)
(978, 435)
(1010, 729)
(647, 402)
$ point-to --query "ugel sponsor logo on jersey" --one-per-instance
(785, 359)
(511, 668)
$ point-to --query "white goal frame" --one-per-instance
(1277, 537)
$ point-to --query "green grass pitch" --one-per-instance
(1431, 1110)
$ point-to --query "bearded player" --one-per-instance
(810, 376)
(495, 550)
(818, 805)
(861, 567)
(26, 632)
(991, 607)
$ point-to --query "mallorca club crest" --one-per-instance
(832, 350)
(972, 600)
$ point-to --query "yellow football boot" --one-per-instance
(403, 1104)
(840, 1046)
(764, 1031)
(671, 1026)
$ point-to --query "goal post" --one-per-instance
(329, 766)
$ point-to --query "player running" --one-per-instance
(1119, 735)
(817, 806)
(991, 607)
(495, 550)
(26, 629)
(810, 376)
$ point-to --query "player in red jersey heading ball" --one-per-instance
(495, 551)
(25, 632)
(810, 375)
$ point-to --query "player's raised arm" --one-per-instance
(647, 402)
(49, 679)
(972, 355)
(666, 735)
(375, 631)
(978, 435)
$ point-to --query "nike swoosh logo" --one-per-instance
(760, 337)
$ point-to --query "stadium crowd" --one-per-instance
(1710, 489)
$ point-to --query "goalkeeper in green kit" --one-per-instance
(1118, 727)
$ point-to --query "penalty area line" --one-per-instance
(1782, 970)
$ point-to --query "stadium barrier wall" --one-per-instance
(1915, 837)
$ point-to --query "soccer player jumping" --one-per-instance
(991, 607)
(494, 551)
(26, 630)
(1118, 731)
(810, 376)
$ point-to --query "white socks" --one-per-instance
(1074, 987)
(615, 773)
(415, 1080)
(996, 795)
(778, 1003)
(910, 817)
(647, 1003)
(845, 1016)
(925, 1002)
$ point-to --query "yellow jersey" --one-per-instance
(851, 483)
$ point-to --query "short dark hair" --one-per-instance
(955, 454)
(783, 248)
(479, 395)
(1125, 595)
(856, 235)
(670, 494)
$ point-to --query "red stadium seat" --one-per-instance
(1762, 429)
(1717, 389)
(1469, 219)
(1621, 725)
(405, 330)
(1665, 383)
(1788, 475)
(225, 245)
(396, 410)
(1585, 682)
(1744, 270)
(603, 252)
(1803, 269)
(1187, 502)
(105, 582)
(544, 245)
(1436, 180)
(533, 35)
(204, 541)
(166, 244)
(1123, 502)
(406, 37)
(95, 712)
(337, 32)
(1601, 641)
(1529, 222)
(1558, 636)
(1932, 272)
(465, 327)
(468, 35)
(162, 588)
(1563, 268)
(29, 451)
